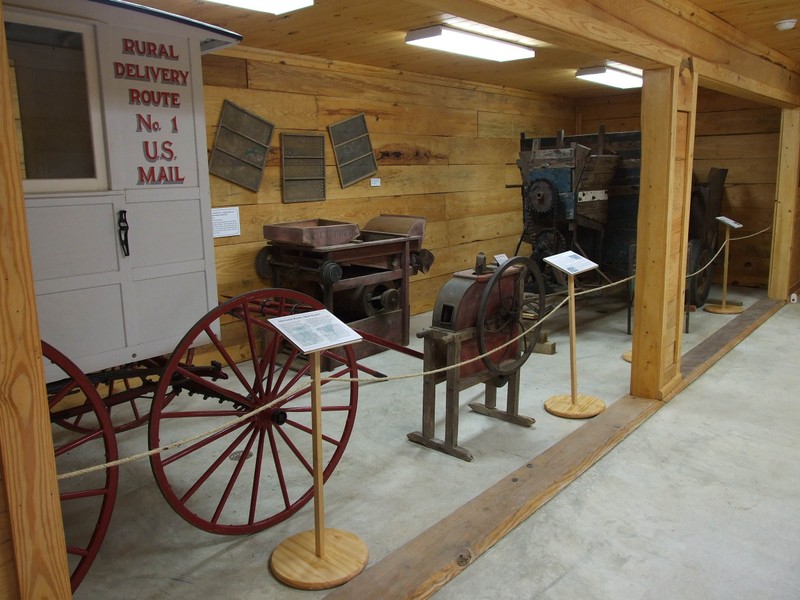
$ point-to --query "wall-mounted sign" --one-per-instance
(225, 221)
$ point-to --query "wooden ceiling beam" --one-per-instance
(656, 30)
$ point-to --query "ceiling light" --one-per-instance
(617, 77)
(444, 38)
(275, 7)
(785, 24)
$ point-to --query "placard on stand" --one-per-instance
(724, 308)
(320, 558)
(573, 405)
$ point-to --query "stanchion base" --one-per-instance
(583, 408)
(627, 356)
(718, 309)
(295, 561)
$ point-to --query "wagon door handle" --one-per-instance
(122, 224)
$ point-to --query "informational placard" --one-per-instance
(500, 259)
(570, 262)
(225, 221)
(315, 330)
(729, 222)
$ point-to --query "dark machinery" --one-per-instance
(479, 312)
(362, 276)
(706, 206)
(581, 192)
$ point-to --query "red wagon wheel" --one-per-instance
(86, 500)
(255, 471)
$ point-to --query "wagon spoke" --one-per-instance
(214, 466)
(203, 442)
(234, 476)
(251, 517)
(78, 442)
(309, 431)
(295, 451)
(269, 358)
(276, 458)
(87, 493)
(228, 360)
(258, 383)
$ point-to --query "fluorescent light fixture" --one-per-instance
(618, 76)
(275, 7)
(447, 39)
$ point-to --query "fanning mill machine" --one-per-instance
(360, 275)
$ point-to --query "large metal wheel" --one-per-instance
(514, 288)
(86, 500)
(254, 471)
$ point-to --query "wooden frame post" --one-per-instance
(35, 549)
(669, 100)
(786, 206)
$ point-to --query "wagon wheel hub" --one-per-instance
(279, 417)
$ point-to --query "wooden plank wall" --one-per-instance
(737, 134)
(742, 136)
(446, 150)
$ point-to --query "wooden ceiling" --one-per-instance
(372, 32)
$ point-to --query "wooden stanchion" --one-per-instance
(724, 308)
(573, 405)
(321, 558)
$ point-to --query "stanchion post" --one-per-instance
(316, 434)
(574, 405)
(321, 558)
(723, 308)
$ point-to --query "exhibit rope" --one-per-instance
(251, 414)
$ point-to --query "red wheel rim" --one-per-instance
(87, 501)
(256, 473)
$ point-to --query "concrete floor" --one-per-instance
(699, 502)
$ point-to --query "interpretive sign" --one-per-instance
(315, 330)
(570, 262)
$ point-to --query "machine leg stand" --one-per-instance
(454, 385)
(511, 414)
(450, 443)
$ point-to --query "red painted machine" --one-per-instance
(478, 324)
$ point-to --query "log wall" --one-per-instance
(446, 150)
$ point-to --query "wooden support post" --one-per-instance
(33, 556)
(784, 260)
(669, 99)
(321, 558)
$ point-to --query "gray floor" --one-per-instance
(699, 502)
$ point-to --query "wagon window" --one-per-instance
(53, 107)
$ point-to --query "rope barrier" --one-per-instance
(233, 422)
